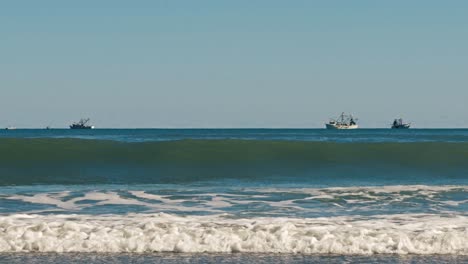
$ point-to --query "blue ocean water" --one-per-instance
(140, 135)
(222, 191)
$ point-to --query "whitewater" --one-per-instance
(142, 233)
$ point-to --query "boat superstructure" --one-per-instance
(399, 124)
(342, 122)
(82, 124)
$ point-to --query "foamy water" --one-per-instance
(405, 219)
(395, 234)
(283, 202)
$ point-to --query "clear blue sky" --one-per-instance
(233, 63)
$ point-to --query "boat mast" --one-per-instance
(342, 118)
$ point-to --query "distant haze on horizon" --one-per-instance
(233, 64)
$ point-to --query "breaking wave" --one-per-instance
(396, 234)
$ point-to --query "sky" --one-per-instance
(233, 64)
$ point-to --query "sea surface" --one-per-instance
(234, 195)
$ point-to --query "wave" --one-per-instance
(75, 161)
(397, 234)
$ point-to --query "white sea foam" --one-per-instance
(371, 194)
(399, 234)
(108, 198)
(278, 200)
(423, 189)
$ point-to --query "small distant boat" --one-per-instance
(82, 124)
(10, 128)
(399, 124)
(342, 122)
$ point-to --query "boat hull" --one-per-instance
(81, 127)
(334, 126)
(401, 127)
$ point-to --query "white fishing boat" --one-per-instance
(342, 122)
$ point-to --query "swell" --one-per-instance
(77, 161)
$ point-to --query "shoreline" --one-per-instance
(55, 258)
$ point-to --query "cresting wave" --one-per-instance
(75, 161)
(396, 234)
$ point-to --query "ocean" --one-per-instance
(234, 195)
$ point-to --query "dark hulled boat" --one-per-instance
(82, 124)
(399, 124)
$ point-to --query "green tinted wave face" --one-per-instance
(76, 161)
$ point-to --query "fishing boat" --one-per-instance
(82, 124)
(399, 124)
(342, 122)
